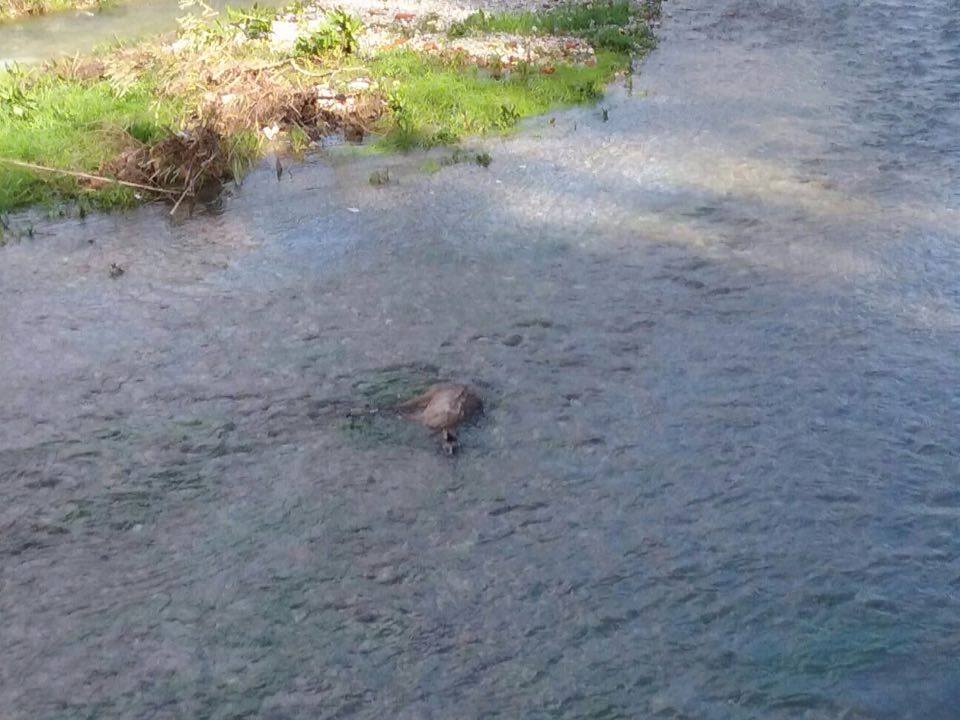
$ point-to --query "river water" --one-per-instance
(67, 33)
(718, 477)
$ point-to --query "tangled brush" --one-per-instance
(186, 163)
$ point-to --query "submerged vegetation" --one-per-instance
(175, 115)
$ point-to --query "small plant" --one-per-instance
(341, 33)
(254, 22)
(483, 159)
(508, 116)
(398, 108)
(429, 23)
(462, 28)
(202, 29)
(495, 66)
(15, 99)
(242, 150)
(318, 42)
(348, 27)
(299, 140)
(379, 178)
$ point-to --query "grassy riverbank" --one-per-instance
(13, 9)
(179, 113)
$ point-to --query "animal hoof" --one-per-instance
(449, 442)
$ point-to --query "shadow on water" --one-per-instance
(717, 476)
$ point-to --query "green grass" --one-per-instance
(72, 126)
(79, 125)
(439, 102)
(606, 25)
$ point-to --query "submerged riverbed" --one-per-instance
(717, 339)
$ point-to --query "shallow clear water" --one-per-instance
(718, 474)
(67, 33)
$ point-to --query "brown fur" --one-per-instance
(443, 407)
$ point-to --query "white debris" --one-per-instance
(180, 45)
(283, 35)
(359, 84)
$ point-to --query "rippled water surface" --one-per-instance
(718, 473)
